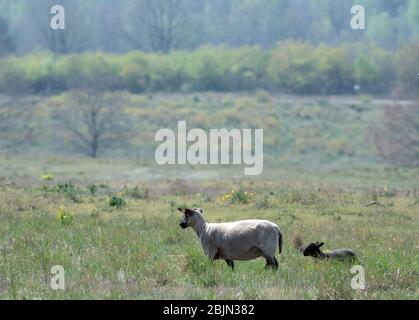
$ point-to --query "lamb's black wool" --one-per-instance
(313, 250)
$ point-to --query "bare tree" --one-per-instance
(397, 137)
(17, 121)
(161, 21)
(72, 38)
(94, 121)
(6, 43)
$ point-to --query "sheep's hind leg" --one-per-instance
(276, 264)
(271, 263)
(230, 263)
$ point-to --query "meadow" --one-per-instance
(127, 244)
(113, 224)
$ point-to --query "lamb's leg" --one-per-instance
(230, 263)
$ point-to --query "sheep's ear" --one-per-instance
(320, 244)
(199, 209)
(187, 211)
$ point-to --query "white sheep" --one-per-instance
(240, 240)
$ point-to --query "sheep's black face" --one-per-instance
(313, 250)
(310, 251)
(188, 217)
(185, 222)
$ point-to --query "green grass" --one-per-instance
(118, 236)
(306, 139)
(311, 131)
(138, 251)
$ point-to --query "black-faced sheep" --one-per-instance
(240, 240)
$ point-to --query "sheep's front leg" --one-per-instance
(230, 263)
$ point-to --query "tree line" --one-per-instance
(290, 67)
(120, 26)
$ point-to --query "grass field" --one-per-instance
(113, 224)
(138, 251)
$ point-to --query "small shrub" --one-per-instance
(65, 217)
(116, 201)
(241, 196)
(47, 177)
(388, 193)
(69, 190)
(92, 189)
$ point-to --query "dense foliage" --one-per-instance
(290, 67)
(165, 25)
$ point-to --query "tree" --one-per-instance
(413, 14)
(397, 138)
(393, 7)
(407, 68)
(373, 68)
(72, 38)
(382, 30)
(6, 44)
(108, 26)
(17, 121)
(93, 121)
(161, 21)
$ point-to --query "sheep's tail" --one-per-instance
(298, 243)
(280, 241)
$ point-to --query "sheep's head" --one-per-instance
(313, 249)
(188, 214)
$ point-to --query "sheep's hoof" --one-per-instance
(271, 263)
(230, 263)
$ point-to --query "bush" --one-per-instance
(298, 67)
(407, 68)
(66, 188)
(47, 177)
(374, 69)
(241, 196)
(116, 201)
(294, 67)
(69, 190)
(92, 189)
(65, 217)
(291, 68)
